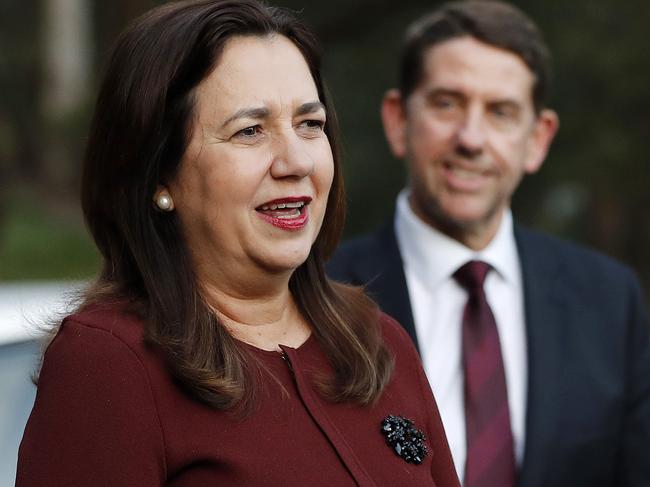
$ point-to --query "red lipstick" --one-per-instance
(289, 213)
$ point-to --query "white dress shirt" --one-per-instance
(437, 300)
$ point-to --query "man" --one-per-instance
(538, 351)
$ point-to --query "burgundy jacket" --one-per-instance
(107, 413)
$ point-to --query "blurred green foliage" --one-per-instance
(36, 244)
(594, 187)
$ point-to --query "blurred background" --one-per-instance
(594, 188)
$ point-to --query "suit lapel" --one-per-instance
(384, 273)
(545, 316)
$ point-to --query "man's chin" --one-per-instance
(464, 221)
(456, 216)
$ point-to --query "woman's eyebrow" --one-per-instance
(309, 107)
(255, 113)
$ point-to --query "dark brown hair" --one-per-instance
(140, 131)
(496, 23)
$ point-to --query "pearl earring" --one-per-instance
(164, 201)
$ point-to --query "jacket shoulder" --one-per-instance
(574, 259)
(393, 333)
(112, 318)
(587, 277)
(360, 259)
(95, 395)
(353, 249)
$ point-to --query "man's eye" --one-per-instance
(444, 103)
(504, 112)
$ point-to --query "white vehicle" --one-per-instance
(24, 308)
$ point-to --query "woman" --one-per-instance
(213, 350)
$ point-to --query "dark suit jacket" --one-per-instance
(588, 408)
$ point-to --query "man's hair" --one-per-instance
(495, 23)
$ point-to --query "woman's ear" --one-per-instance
(163, 199)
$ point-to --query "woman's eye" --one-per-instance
(312, 124)
(249, 132)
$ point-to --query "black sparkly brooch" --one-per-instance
(403, 437)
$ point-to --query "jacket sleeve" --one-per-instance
(634, 469)
(94, 421)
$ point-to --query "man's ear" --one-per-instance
(393, 117)
(544, 131)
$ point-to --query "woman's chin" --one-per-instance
(285, 261)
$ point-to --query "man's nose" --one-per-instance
(290, 157)
(471, 136)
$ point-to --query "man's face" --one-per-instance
(469, 133)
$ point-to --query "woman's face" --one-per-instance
(252, 188)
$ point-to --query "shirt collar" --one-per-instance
(433, 256)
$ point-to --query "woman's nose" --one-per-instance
(291, 158)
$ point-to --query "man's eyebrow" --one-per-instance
(509, 102)
(433, 92)
(256, 113)
(310, 107)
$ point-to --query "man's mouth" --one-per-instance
(465, 179)
(464, 173)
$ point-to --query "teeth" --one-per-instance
(282, 206)
(293, 214)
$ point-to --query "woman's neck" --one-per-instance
(264, 320)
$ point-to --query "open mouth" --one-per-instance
(284, 208)
(286, 213)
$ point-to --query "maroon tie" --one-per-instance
(490, 453)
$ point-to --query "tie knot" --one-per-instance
(472, 275)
